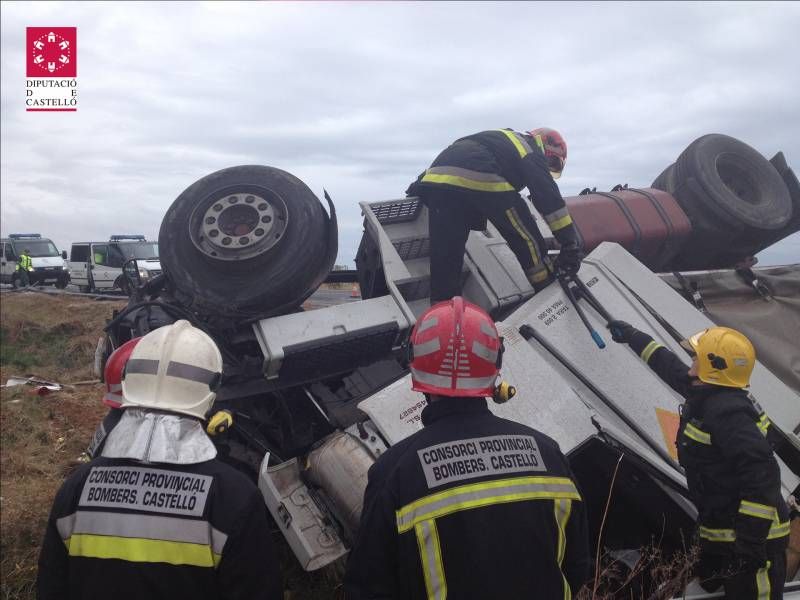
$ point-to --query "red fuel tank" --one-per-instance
(649, 223)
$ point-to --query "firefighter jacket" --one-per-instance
(25, 263)
(184, 526)
(501, 161)
(471, 506)
(733, 477)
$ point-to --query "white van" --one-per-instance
(49, 265)
(97, 266)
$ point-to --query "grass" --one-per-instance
(41, 437)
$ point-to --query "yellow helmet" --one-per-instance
(724, 356)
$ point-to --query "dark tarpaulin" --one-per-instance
(772, 325)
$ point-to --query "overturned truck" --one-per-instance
(317, 395)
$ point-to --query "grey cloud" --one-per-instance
(359, 97)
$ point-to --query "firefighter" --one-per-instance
(24, 268)
(478, 177)
(733, 477)
(112, 377)
(471, 506)
(157, 515)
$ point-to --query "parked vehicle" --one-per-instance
(49, 265)
(317, 395)
(98, 266)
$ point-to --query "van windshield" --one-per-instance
(37, 248)
(140, 250)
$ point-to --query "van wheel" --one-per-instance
(16, 282)
(247, 241)
(61, 283)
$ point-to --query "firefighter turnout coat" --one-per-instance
(478, 177)
(731, 472)
(158, 516)
(472, 506)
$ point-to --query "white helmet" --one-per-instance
(176, 368)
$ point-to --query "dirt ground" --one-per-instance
(42, 437)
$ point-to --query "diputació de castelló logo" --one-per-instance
(51, 69)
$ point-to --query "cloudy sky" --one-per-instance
(359, 97)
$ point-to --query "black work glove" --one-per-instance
(621, 331)
(569, 259)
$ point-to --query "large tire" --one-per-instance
(247, 241)
(741, 188)
(666, 181)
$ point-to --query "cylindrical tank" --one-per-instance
(339, 467)
(648, 223)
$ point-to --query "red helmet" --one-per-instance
(113, 373)
(554, 147)
(456, 350)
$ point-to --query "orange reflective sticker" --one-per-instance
(670, 423)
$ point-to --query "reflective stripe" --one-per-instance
(442, 381)
(561, 223)
(717, 535)
(484, 352)
(427, 324)
(649, 349)
(513, 218)
(762, 511)
(190, 372)
(539, 142)
(141, 550)
(476, 495)
(778, 530)
(141, 366)
(558, 219)
(466, 178)
(115, 387)
(563, 508)
(488, 330)
(537, 274)
(698, 435)
(762, 582)
(474, 383)
(430, 552)
(426, 348)
(763, 424)
(519, 143)
(190, 531)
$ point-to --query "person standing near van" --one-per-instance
(24, 266)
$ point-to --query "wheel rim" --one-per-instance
(238, 223)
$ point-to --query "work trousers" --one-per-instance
(24, 277)
(451, 216)
(742, 583)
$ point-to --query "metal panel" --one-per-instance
(324, 326)
(780, 402)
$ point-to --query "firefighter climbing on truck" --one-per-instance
(478, 177)
(732, 474)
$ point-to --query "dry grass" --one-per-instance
(41, 437)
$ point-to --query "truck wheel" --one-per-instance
(742, 188)
(246, 241)
(665, 181)
(62, 283)
(15, 281)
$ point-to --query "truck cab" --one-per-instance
(49, 265)
(98, 266)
